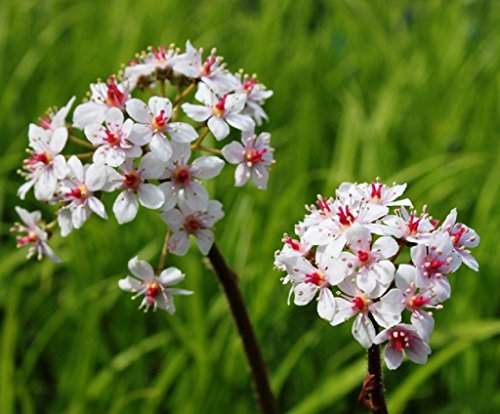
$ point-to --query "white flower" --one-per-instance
(131, 180)
(155, 289)
(186, 222)
(182, 185)
(307, 279)
(372, 268)
(253, 158)
(34, 236)
(211, 71)
(46, 165)
(77, 193)
(53, 121)
(463, 238)
(153, 124)
(114, 141)
(386, 311)
(407, 226)
(219, 111)
(257, 94)
(401, 338)
(104, 96)
(434, 263)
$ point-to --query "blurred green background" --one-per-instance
(404, 90)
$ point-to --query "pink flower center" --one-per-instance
(160, 121)
(44, 157)
(112, 138)
(418, 301)
(433, 266)
(79, 193)
(249, 84)
(376, 192)
(316, 278)
(132, 180)
(345, 216)
(455, 237)
(192, 224)
(364, 257)
(152, 291)
(294, 244)
(31, 237)
(220, 107)
(207, 66)
(115, 97)
(361, 303)
(45, 122)
(253, 156)
(323, 205)
(160, 54)
(413, 224)
(399, 340)
(182, 176)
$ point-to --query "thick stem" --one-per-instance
(228, 279)
(376, 392)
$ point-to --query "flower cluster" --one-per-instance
(356, 244)
(146, 133)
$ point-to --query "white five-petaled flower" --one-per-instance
(307, 279)
(256, 94)
(212, 71)
(253, 158)
(220, 111)
(156, 290)
(104, 96)
(374, 272)
(182, 185)
(32, 235)
(462, 238)
(132, 181)
(46, 165)
(386, 311)
(185, 222)
(407, 226)
(402, 338)
(434, 263)
(114, 141)
(153, 124)
(77, 193)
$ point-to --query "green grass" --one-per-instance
(404, 90)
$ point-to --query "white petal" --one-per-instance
(205, 240)
(195, 196)
(235, 102)
(45, 186)
(386, 247)
(97, 207)
(197, 112)
(343, 310)
(241, 175)
(387, 312)
(76, 167)
(178, 243)
(240, 121)
(138, 111)
(207, 167)
(150, 196)
(174, 219)
(423, 323)
(358, 238)
(326, 304)
(161, 147)
(170, 195)
(129, 284)
(140, 268)
(182, 132)
(125, 207)
(233, 152)
(60, 167)
(405, 276)
(260, 176)
(158, 104)
(218, 127)
(363, 331)
(151, 166)
(58, 140)
(114, 119)
(89, 113)
(304, 293)
(96, 177)
(171, 276)
(392, 357)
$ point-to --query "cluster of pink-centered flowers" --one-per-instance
(146, 136)
(383, 260)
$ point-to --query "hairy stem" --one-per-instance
(376, 396)
(228, 279)
(164, 253)
(80, 142)
(185, 93)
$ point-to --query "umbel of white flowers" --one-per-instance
(349, 245)
(152, 154)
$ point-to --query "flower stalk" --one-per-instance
(229, 281)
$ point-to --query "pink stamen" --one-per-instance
(220, 107)
(315, 278)
(399, 340)
(294, 244)
(323, 205)
(254, 156)
(360, 303)
(45, 122)
(207, 66)
(112, 138)
(192, 224)
(249, 84)
(345, 216)
(160, 54)
(182, 176)
(151, 292)
(364, 257)
(458, 235)
(132, 180)
(376, 191)
(413, 224)
(115, 97)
